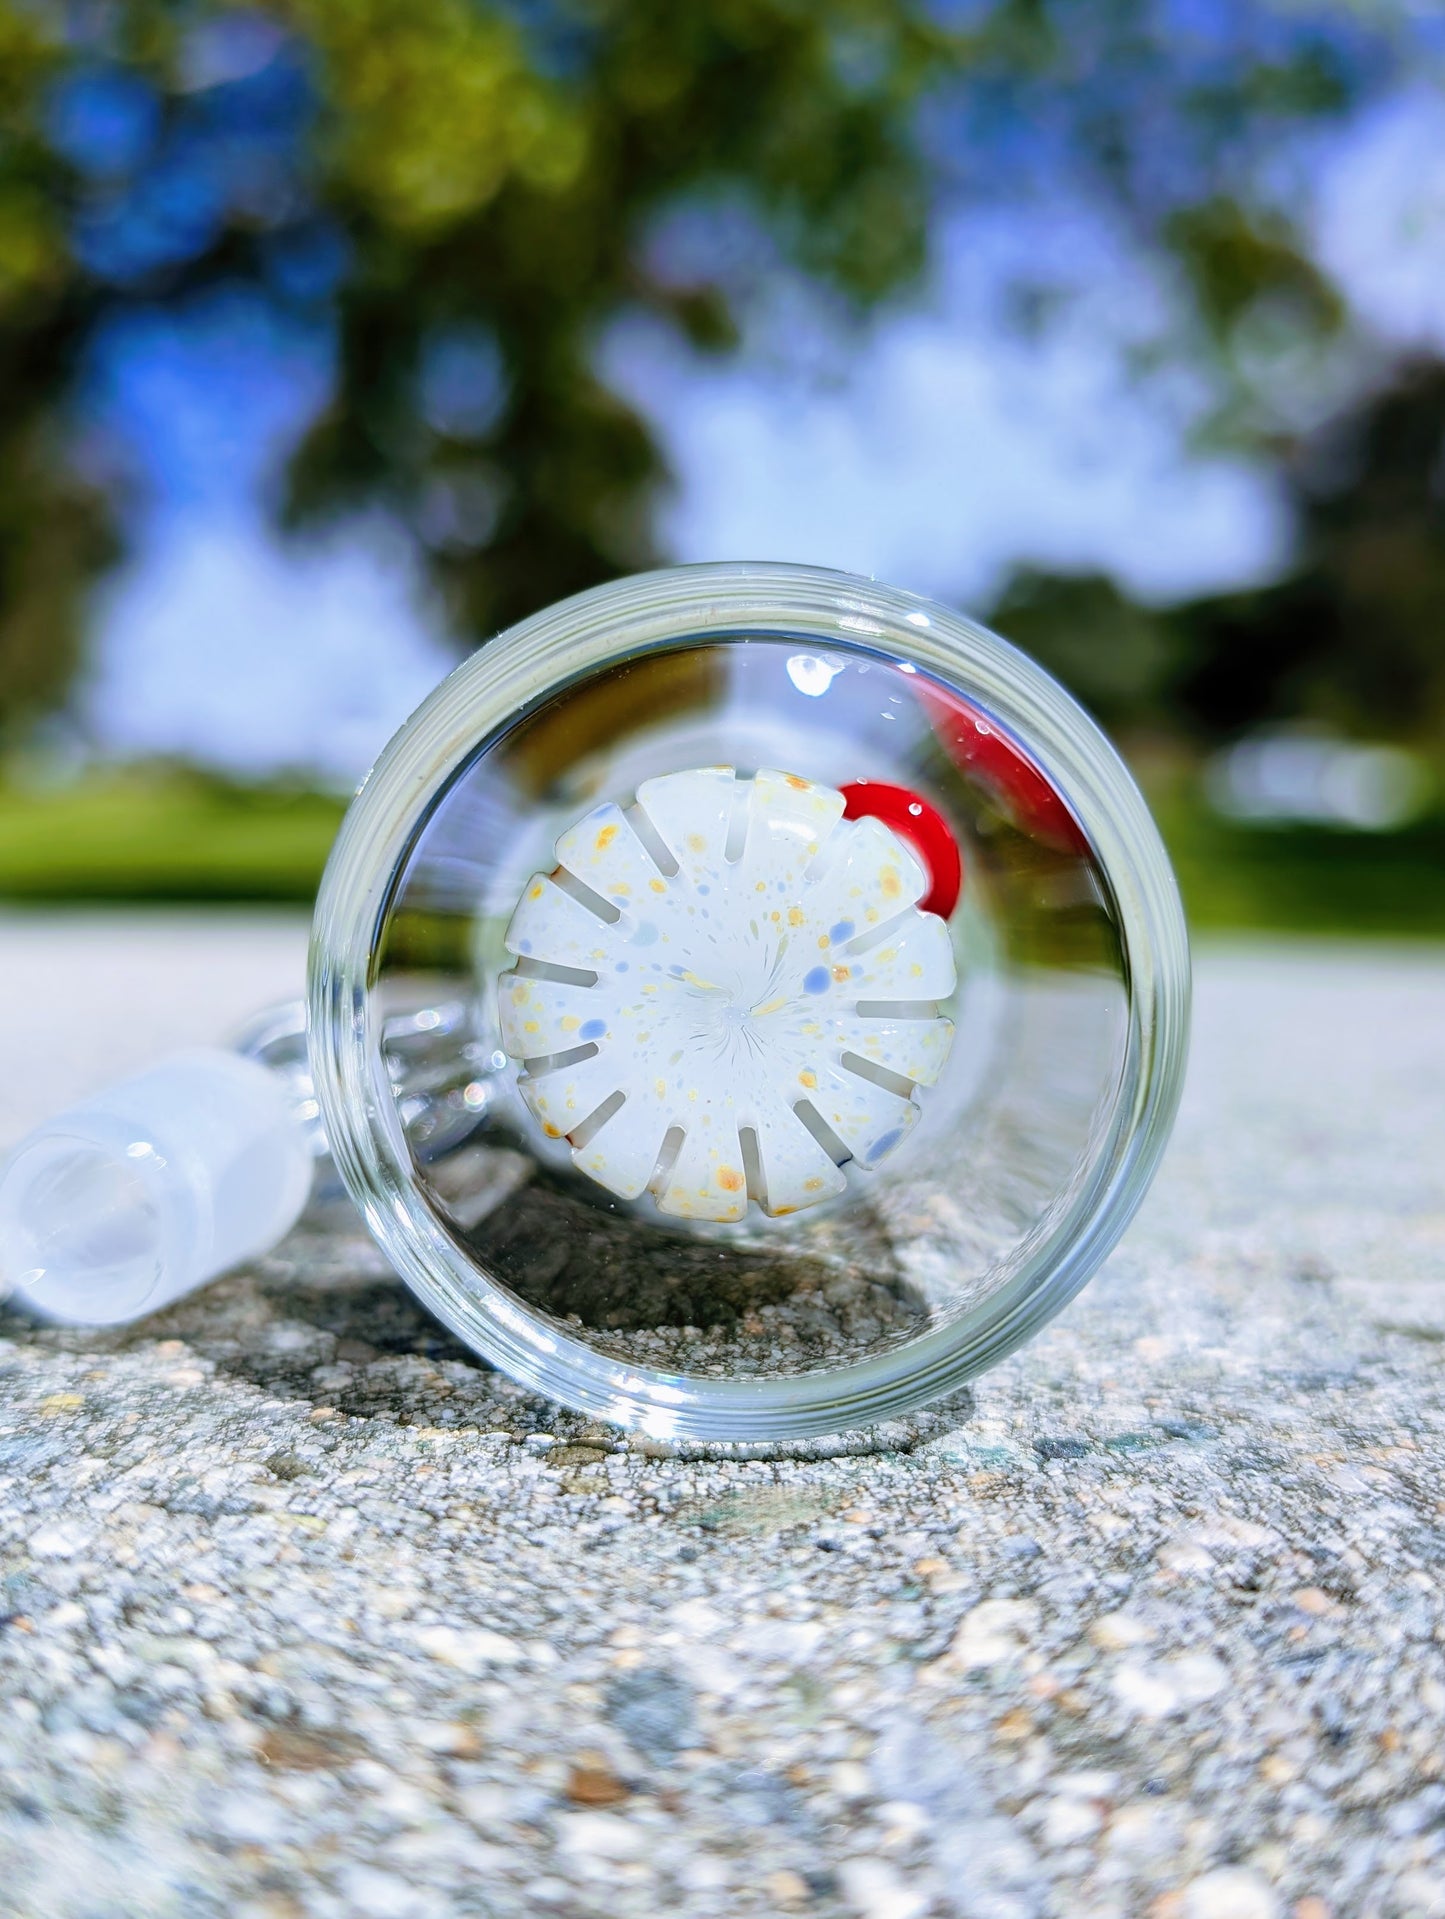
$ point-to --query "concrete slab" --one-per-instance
(307, 1613)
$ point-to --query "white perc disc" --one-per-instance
(726, 990)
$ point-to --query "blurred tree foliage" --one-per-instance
(1353, 639)
(465, 194)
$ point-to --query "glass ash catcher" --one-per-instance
(745, 1003)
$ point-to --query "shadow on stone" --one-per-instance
(323, 1320)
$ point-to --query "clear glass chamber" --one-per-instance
(934, 1252)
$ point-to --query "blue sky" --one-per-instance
(936, 452)
(220, 642)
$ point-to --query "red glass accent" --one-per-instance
(984, 754)
(925, 830)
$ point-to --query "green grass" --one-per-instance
(171, 834)
(163, 833)
(1307, 879)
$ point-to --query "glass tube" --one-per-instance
(924, 1264)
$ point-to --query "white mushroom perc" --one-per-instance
(725, 991)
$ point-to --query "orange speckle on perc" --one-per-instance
(799, 786)
(814, 1185)
(536, 892)
(729, 1179)
(840, 973)
(795, 916)
(807, 1077)
(696, 843)
(519, 996)
(606, 837)
(552, 1132)
(890, 883)
(823, 942)
(658, 886)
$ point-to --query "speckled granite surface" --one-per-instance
(305, 1613)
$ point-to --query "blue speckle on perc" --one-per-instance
(842, 931)
(817, 980)
(594, 1029)
(524, 946)
(622, 966)
(885, 1144)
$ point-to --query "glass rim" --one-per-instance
(608, 626)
